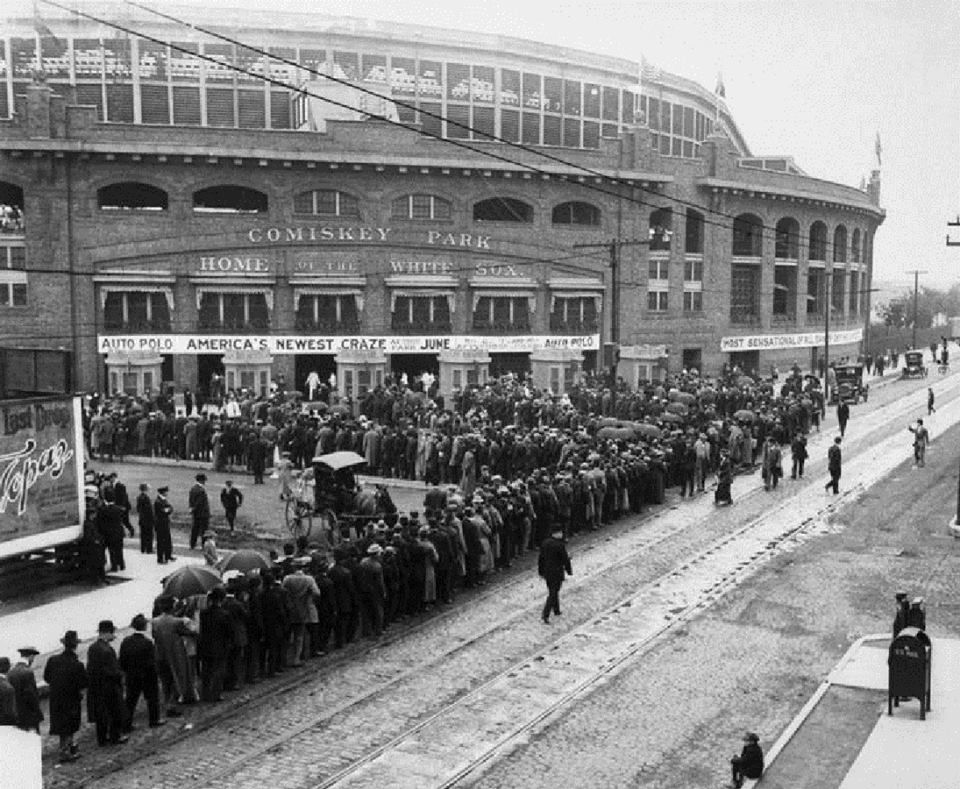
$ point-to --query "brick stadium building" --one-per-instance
(180, 218)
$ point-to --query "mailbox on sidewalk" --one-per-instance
(909, 669)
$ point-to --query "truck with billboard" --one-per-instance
(41, 474)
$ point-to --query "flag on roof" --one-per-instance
(877, 149)
(720, 90)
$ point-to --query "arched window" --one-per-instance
(576, 213)
(502, 209)
(421, 206)
(747, 236)
(11, 208)
(787, 243)
(840, 244)
(818, 241)
(661, 229)
(326, 202)
(693, 244)
(131, 196)
(229, 199)
(855, 246)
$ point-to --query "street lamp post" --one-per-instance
(955, 526)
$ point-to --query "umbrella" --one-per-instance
(669, 416)
(610, 431)
(339, 460)
(245, 560)
(744, 415)
(339, 409)
(677, 408)
(190, 580)
(687, 398)
(607, 421)
(647, 430)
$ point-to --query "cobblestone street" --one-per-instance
(676, 707)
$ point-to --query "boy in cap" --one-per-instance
(749, 764)
(66, 678)
(25, 687)
(105, 700)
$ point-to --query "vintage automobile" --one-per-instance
(913, 366)
(849, 385)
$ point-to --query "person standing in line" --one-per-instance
(930, 398)
(216, 641)
(553, 566)
(25, 687)
(122, 499)
(105, 700)
(138, 659)
(110, 524)
(303, 595)
(173, 663)
(843, 415)
(772, 464)
(147, 518)
(8, 696)
(921, 437)
(232, 499)
(834, 462)
(66, 678)
(162, 509)
(200, 510)
(722, 494)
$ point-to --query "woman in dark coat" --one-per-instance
(66, 677)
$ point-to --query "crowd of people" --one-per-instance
(11, 219)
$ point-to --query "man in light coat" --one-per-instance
(303, 594)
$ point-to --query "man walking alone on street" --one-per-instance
(930, 408)
(843, 415)
(553, 566)
(232, 499)
(833, 466)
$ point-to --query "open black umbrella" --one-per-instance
(190, 580)
(244, 560)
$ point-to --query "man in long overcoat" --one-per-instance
(105, 699)
(147, 518)
(216, 641)
(25, 686)
(66, 677)
(553, 565)
(200, 509)
(138, 659)
(162, 510)
(173, 664)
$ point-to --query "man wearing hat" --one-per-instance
(232, 499)
(25, 687)
(371, 591)
(200, 509)
(903, 612)
(66, 678)
(105, 699)
(303, 594)
(147, 518)
(553, 565)
(749, 764)
(138, 659)
(162, 510)
(214, 645)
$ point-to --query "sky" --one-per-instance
(812, 79)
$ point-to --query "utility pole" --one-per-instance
(613, 246)
(916, 284)
(955, 526)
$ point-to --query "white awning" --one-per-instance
(420, 281)
(166, 290)
(505, 294)
(576, 294)
(267, 293)
(575, 283)
(331, 291)
(449, 295)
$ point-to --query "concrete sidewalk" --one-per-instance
(129, 592)
(844, 739)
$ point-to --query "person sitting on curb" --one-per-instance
(749, 764)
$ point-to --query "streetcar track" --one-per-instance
(889, 411)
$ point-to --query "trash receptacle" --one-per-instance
(909, 663)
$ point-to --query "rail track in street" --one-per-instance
(452, 691)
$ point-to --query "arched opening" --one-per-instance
(661, 229)
(693, 243)
(855, 246)
(11, 208)
(502, 209)
(787, 243)
(840, 244)
(818, 241)
(131, 196)
(747, 236)
(576, 213)
(229, 199)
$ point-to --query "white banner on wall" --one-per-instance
(772, 342)
(281, 345)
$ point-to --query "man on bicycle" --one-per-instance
(920, 440)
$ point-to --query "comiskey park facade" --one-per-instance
(184, 209)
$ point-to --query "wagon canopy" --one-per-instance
(339, 460)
